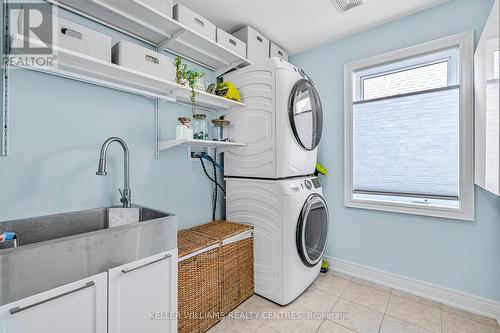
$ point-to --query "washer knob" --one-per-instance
(308, 184)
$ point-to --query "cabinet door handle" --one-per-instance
(126, 270)
(18, 309)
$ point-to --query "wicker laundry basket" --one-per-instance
(215, 273)
(236, 261)
(199, 282)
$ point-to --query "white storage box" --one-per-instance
(162, 6)
(276, 51)
(257, 44)
(71, 36)
(144, 60)
(194, 21)
(232, 43)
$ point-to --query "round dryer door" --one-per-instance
(306, 114)
(312, 230)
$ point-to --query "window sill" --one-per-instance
(413, 208)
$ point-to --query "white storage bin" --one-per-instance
(276, 51)
(232, 43)
(162, 6)
(71, 36)
(144, 60)
(194, 21)
(257, 44)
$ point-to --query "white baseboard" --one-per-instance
(461, 300)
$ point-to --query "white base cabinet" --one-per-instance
(137, 297)
(78, 307)
(143, 295)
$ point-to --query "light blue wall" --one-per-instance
(456, 254)
(57, 127)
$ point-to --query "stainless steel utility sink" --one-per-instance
(40, 229)
(59, 249)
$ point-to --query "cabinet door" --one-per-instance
(487, 93)
(78, 307)
(143, 295)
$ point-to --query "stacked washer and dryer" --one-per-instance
(270, 182)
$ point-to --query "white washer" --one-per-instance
(290, 218)
(281, 123)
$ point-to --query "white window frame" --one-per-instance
(465, 211)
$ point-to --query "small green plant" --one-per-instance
(190, 77)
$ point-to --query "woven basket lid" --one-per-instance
(189, 242)
(220, 230)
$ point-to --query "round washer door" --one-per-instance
(312, 230)
(306, 114)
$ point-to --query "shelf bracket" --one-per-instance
(157, 129)
(164, 45)
(157, 125)
(224, 70)
(223, 112)
(5, 41)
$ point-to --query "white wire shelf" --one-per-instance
(221, 146)
(84, 68)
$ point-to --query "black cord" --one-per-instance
(206, 173)
(215, 193)
(214, 205)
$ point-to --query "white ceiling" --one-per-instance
(298, 25)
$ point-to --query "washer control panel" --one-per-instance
(316, 183)
(302, 185)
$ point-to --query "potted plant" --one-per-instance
(190, 77)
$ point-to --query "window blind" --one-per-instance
(408, 144)
(401, 82)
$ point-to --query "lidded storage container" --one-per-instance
(183, 130)
(215, 273)
(231, 43)
(162, 6)
(276, 51)
(143, 60)
(199, 281)
(219, 129)
(236, 258)
(200, 127)
(71, 36)
(257, 44)
(193, 20)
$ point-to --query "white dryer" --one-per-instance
(291, 219)
(281, 123)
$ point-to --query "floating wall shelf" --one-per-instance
(137, 18)
(84, 68)
(221, 146)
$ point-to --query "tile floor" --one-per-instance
(337, 303)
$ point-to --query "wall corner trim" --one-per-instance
(461, 300)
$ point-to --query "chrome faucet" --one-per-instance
(126, 193)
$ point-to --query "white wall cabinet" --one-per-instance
(487, 91)
(78, 307)
(143, 295)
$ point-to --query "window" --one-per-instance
(408, 127)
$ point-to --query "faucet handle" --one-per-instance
(125, 197)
